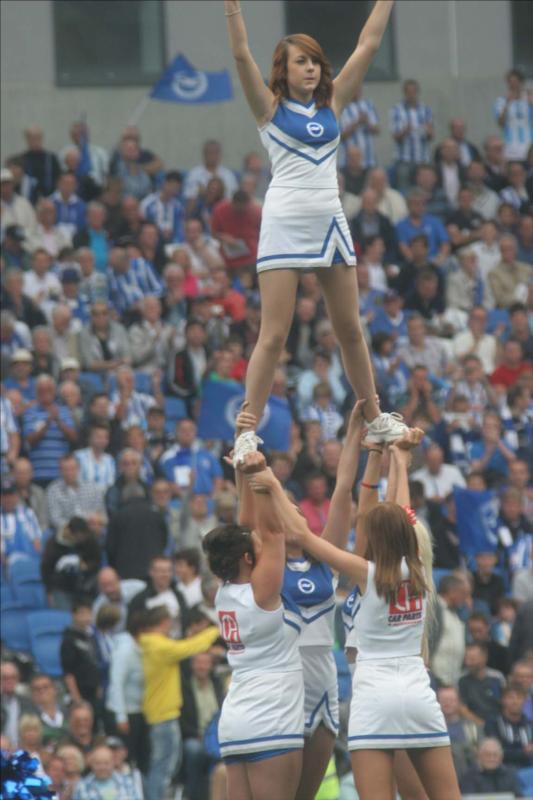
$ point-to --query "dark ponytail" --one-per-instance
(224, 547)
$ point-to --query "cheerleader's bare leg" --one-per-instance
(339, 285)
(237, 782)
(373, 774)
(317, 752)
(435, 769)
(278, 296)
(276, 777)
(407, 780)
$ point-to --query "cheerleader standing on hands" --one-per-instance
(303, 225)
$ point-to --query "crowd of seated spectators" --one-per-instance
(127, 284)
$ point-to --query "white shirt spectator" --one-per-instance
(199, 177)
(18, 212)
(485, 348)
(447, 661)
(192, 592)
(41, 288)
(99, 161)
(441, 483)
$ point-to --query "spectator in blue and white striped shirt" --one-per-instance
(164, 209)
(411, 125)
(49, 432)
(359, 123)
(97, 466)
(130, 280)
(514, 114)
(70, 209)
(21, 533)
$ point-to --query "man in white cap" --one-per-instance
(20, 378)
(15, 210)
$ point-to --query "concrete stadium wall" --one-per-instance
(458, 50)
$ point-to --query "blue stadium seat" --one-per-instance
(94, 379)
(525, 776)
(50, 620)
(24, 569)
(14, 629)
(143, 383)
(46, 652)
(174, 410)
(31, 594)
(6, 595)
(46, 633)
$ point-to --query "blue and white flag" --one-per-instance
(221, 402)
(183, 83)
(477, 520)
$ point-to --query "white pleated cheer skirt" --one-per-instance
(303, 229)
(394, 707)
(262, 711)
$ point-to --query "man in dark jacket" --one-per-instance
(513, 730)
(70, 562)
(490, 776)
(79, 658)
(137, 533)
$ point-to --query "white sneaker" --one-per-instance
(386, 428)
(245, 443)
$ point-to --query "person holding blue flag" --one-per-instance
(303, 225)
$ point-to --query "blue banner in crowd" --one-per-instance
(183, 83)
(477, 520)
(221, 403)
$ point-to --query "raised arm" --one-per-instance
(368, 495)
(259, 97)
(352, 74)
(400, 459)
(267, 575)
(296, 529)
(247, 511)
(338, 521)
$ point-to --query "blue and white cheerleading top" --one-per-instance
(311, 585)
(257, 640)
(350, 609)
(303, 224)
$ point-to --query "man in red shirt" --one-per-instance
(512, 366)
(235, 223)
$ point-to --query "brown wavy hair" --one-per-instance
(278, 75)
(392, 537)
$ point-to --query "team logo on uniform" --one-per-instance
(230, 631)
(406, 607)
(189, 86)
(306, 586)
(315, 129)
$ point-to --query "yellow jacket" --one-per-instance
(162, 680)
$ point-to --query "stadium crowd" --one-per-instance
(126, 288)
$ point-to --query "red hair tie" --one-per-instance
(411, 515)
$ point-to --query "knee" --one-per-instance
(272, 341)
(350, 333)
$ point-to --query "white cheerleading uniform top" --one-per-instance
(257, 640)
(389, 629)
(302, 142)
(311, 586)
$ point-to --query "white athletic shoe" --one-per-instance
(386, 428)
(245, 443)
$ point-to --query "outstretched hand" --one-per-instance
(408, 442)
(261, 481)
(357, 420)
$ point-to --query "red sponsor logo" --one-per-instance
(406, 607)
(230, 630)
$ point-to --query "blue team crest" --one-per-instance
(232, 408)
(315, 129)
(306, 585)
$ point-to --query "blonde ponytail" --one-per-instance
(425, 552)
